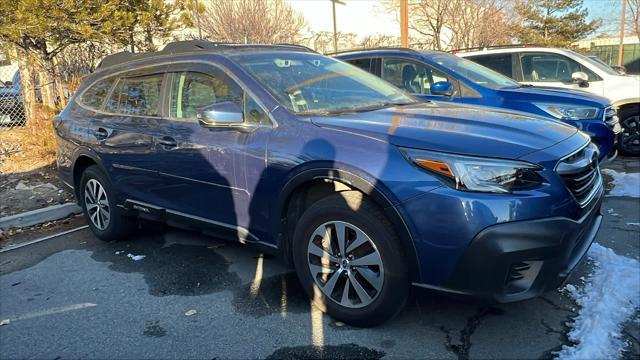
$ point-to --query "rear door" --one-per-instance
(123, 131)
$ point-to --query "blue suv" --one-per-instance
(435, 75)
(363, 188)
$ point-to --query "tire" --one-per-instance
(629, 138)
(95, 204)
(367, 232)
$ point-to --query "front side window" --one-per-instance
(364, 64)
(414, 77)
(136, 96)
(95, 96)
(550, 68)
(253, 113)
(191, 91)
(474, 72)
(315, 84)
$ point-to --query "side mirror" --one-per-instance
(225, 113)
(620, 69)
(8, 83)
(580, 78)
(443, 88)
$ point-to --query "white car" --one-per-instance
(564, 68)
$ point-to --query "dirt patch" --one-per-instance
(35, 189)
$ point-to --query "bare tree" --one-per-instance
(379, 40)
(633, 17)
(322, 41)
(251, 21)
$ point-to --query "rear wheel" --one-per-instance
(348, 260)
(98, 204)
(629, 140)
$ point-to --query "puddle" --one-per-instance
(185, 270)
(276, 295)
(346, 351)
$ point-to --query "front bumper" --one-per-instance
(520, 260)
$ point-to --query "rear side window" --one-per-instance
(191, 91)
(364, 64)
(95, 96)
(136, 96)
(498, 62)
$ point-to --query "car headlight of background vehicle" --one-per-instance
(568, 111)
(469, 173)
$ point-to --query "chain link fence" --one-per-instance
(12, 112)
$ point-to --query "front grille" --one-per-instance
(610, 118)
(581, 174)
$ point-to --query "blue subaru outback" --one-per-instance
(435, 75)
(364, 189)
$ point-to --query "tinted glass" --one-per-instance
(94, 96)
(474, 72)
(364, 64)
(414, 77)
(191, 91)
(498, 62)
(136, 96)
(312, 83)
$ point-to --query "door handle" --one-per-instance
(168, 142)
(101, 133)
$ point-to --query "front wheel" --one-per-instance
(629, 140)
(348, 260)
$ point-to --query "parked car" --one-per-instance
(365, 189)
(569, 69)
(436, 75)
(11, 105)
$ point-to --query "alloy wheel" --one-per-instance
(345, 264)
(630, 137)
(97, 204)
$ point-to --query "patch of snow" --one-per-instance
(634, 224)
(608, 300)
(136, 257)
(190, 312)
(625, 184)
(612, 212)
(5, 322)
(22, 186)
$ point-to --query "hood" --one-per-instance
(454, 128)
(555, 95)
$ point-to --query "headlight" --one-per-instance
(476, 174)
(568, 111)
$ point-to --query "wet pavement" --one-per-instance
(77, 297)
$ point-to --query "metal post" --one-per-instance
(335, 26)
(404, 23)
(622, 26)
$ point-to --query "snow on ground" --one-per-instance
(625, 184)
(136, 257)
(610, 298)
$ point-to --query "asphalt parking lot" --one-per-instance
(192, 296)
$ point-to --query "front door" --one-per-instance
(416, 78)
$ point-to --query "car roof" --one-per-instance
(385, 50)
(199, 47)
(486, 51)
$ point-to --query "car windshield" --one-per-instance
(475, 72)
(599, 64)
(308, 83)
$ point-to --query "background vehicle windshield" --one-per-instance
(475, 72)
(315, 84)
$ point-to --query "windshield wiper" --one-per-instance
(526, 85)
(358, 109)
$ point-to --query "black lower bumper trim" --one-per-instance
(520, 260)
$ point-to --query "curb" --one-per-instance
(39, 216)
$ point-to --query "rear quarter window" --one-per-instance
(97, 93)
(499, 62)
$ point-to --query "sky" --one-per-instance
(368, 17)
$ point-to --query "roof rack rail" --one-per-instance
(177, 47)
(455, 51)
(370, 49)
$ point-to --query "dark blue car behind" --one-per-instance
(364, 189)
(470, 83)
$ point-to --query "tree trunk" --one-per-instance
(48, 87)
(27, 84)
